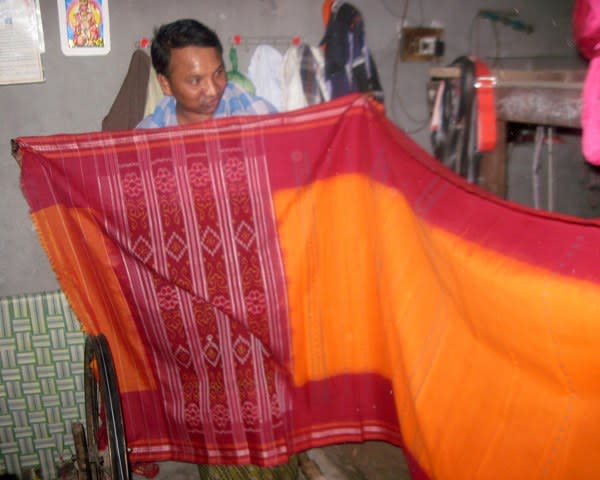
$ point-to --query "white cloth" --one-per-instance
(265, 72)
(154, 93)
(293, 95)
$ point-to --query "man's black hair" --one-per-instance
(178, 34)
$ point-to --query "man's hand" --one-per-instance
(16, 153)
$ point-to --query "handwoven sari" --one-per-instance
(271, 284)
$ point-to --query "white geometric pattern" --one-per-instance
(244, 235)
(143, 249)
(211, 242)
(211, 351)
(183, 357)
(241, 349)
(176, 247)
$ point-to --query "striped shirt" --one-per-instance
(235, 101)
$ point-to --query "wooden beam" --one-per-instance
(541, 78)
(548, 106)
(492, 169)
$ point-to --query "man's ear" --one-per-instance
(165, 86)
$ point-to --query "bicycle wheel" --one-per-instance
(451, 143)
(103, 413)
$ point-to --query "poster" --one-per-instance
(20, 42)
(84, 27)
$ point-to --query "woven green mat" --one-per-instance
(41, 382)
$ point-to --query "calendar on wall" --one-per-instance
(21, 42)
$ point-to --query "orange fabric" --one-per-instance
(90, 298)
(328, 329)
(505, 351)
(448, 344)
(326, 11)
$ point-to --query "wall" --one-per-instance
(78, 91)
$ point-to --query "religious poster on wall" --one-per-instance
(84, 27)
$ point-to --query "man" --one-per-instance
(188, 59)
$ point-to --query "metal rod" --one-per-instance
(550, 170)
(535, 166)
(539, 84)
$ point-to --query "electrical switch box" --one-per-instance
(421, 43)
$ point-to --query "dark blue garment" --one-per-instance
(349, 66)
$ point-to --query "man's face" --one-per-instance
(197, 80)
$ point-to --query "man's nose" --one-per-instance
(211, 87)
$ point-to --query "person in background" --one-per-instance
(188, 59)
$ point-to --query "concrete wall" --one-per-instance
(78, 91)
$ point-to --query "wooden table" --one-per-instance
(539, 97)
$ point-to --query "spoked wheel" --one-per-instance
(103, 413)
(471, 154)
(454, 143)
(448, 147)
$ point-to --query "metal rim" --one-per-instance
(101, 391)
(455, 145)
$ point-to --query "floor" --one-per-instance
(365, 461)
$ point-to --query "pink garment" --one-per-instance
(586, 28)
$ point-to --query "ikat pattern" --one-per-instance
(191, 218)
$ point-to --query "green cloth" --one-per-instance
(237, 77)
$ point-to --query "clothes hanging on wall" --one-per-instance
(264, 71)
(128, 107)
(349, 65)
(154, 93)
(303, 77)
(294, 81)
(237, 77)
